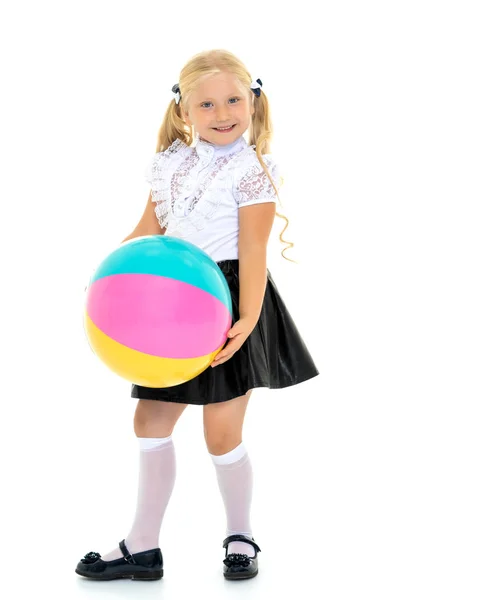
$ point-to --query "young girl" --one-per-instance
(214, 189)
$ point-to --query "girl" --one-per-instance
(214, 189)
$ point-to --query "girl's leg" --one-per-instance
(153, 424)
(223, 428)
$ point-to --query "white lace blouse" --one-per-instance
(198, 191)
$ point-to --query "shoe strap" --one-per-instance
(240, 538)
(128, 557)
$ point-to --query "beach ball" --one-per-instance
(157, 311)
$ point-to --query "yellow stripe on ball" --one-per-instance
(140, 368)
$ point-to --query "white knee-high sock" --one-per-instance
(235, 479)
(157, 476)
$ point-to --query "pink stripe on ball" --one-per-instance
(158, 315)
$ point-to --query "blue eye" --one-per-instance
(203, 105)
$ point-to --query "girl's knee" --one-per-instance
(221, 441)
(156, 418)
(223, 422)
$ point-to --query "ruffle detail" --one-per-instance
(181, 177)
(193, 213)
(179, 186)
(158, 175)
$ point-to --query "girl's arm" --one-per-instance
(255, 224)
(148, 224)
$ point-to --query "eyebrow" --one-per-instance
(228, 96)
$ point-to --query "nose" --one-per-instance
(222, 114)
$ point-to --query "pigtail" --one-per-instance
(261, 132)
(173, 128)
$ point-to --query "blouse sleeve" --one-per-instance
(252, 185)
(150, 168)
(155, 175)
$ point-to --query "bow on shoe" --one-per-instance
(90, 558)
(242, 560)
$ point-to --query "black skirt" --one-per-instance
(273, 355)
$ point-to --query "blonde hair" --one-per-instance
(173, 127)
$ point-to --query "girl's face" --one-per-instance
(219, 101)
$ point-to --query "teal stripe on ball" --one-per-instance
(168, 257)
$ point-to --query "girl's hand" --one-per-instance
(237, 336)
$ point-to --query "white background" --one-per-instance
(366, 477)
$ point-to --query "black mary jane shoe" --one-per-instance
(240, 566)
(146, 565)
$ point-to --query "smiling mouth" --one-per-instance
(221, 129)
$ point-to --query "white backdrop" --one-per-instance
(365, 477)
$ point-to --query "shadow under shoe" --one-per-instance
(146, 565)
(240, 566)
